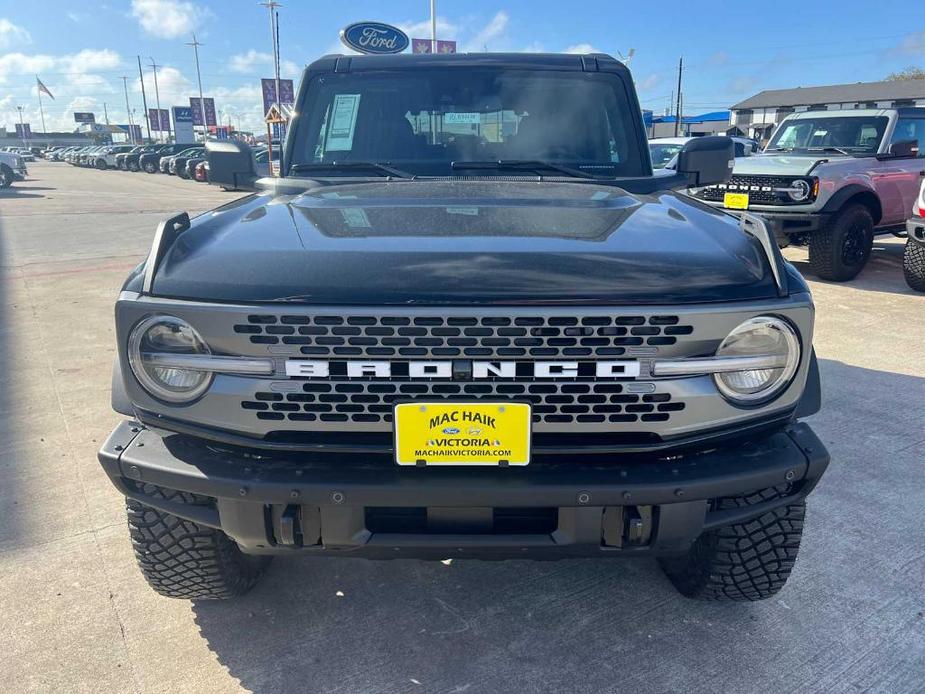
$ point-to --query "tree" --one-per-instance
(908, 73)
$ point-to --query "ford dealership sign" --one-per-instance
(374, 37)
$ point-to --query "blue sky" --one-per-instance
(81, 49)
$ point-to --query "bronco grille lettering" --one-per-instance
(481, 370)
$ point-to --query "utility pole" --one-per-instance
(144, 99)
(202, 104)
(677, 122)
(128, 110)
(271, 5)
(22, 126)
(433, 26)
(157, 97)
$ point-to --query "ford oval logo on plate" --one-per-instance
(374, 37)
(450, 430)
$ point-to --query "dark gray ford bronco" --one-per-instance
(467, 321)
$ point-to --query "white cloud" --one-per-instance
(648, 82)
(913, 44)
(421, 30)
(491, 32)
(254, 62)
(12, 35)
(582, 48)
(168, 19)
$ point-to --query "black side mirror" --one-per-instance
(231, 165)
(905, 148)
(707, 161)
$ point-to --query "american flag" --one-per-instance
(43, 88)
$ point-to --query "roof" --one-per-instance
(836, 93)
(551, 61)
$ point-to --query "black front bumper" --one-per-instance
(656, 506)
(785, 223)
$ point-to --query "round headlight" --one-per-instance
(764, 336)
(167, 335)
(799, 190)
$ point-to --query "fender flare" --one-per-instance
(121, 402)
(811, 400)
(867, 195)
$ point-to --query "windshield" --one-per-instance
(662, 154)
(853, 134)
(423, 121)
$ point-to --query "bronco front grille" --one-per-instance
(462, 336)
(372, 401)
(760, 189)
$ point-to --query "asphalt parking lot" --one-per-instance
(77, 615)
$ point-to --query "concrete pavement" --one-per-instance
(77, 615)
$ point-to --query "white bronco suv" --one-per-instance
(12, 168)
(832, 180)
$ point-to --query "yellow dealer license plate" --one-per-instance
(736, 201)
(462, 433)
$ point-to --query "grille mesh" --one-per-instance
(463, 336)
(759, 189)
(372, 401)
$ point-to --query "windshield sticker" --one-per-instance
(343, 122)
(467, 211)
(462, 118)
(355, 217)
(820, 133)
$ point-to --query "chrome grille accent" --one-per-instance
(760, 189)
(496, 337)
(372, 401)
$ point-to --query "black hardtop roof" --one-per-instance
(591, 62)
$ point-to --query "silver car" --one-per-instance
(832, 180)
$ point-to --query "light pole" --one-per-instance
(128, 111)
(157, 98)
(202, 104)
(22, 126)
(271, 5)
(144, 98)
(433, 26)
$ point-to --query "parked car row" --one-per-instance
(177, 159)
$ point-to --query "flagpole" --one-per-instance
(41, 109)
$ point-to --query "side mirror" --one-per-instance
(706, 161)
(905, 148)
(231, 165)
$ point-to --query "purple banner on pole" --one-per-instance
(23, 131)
(209, 104)
(421, 46)
(268, 87)
(446, 46)
(159, 119)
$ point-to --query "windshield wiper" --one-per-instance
(779, 149)
(521, 164)
(379, 167)
(829, 149)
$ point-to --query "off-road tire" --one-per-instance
(182, 559)
(133, 166)
(914, 265)
(101, 164)
(150, 167)
(841, 249)
(742, 562)
(6, 176)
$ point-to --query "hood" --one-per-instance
(778, 164)
(465, 242)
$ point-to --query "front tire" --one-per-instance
(914, 265)
(150, 167)
(182, 559)
(101, 164)
(742, 562)
(133, 166)
(6, 176)
(840, 250)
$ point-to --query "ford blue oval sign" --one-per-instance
(374, 37)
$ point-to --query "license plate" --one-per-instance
(462, 433)
(736, 201)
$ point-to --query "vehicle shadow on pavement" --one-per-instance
(14, 192)
(351, 625)
(883, 273)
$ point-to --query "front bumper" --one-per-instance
(325, 504)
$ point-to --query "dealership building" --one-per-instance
(757, 115)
